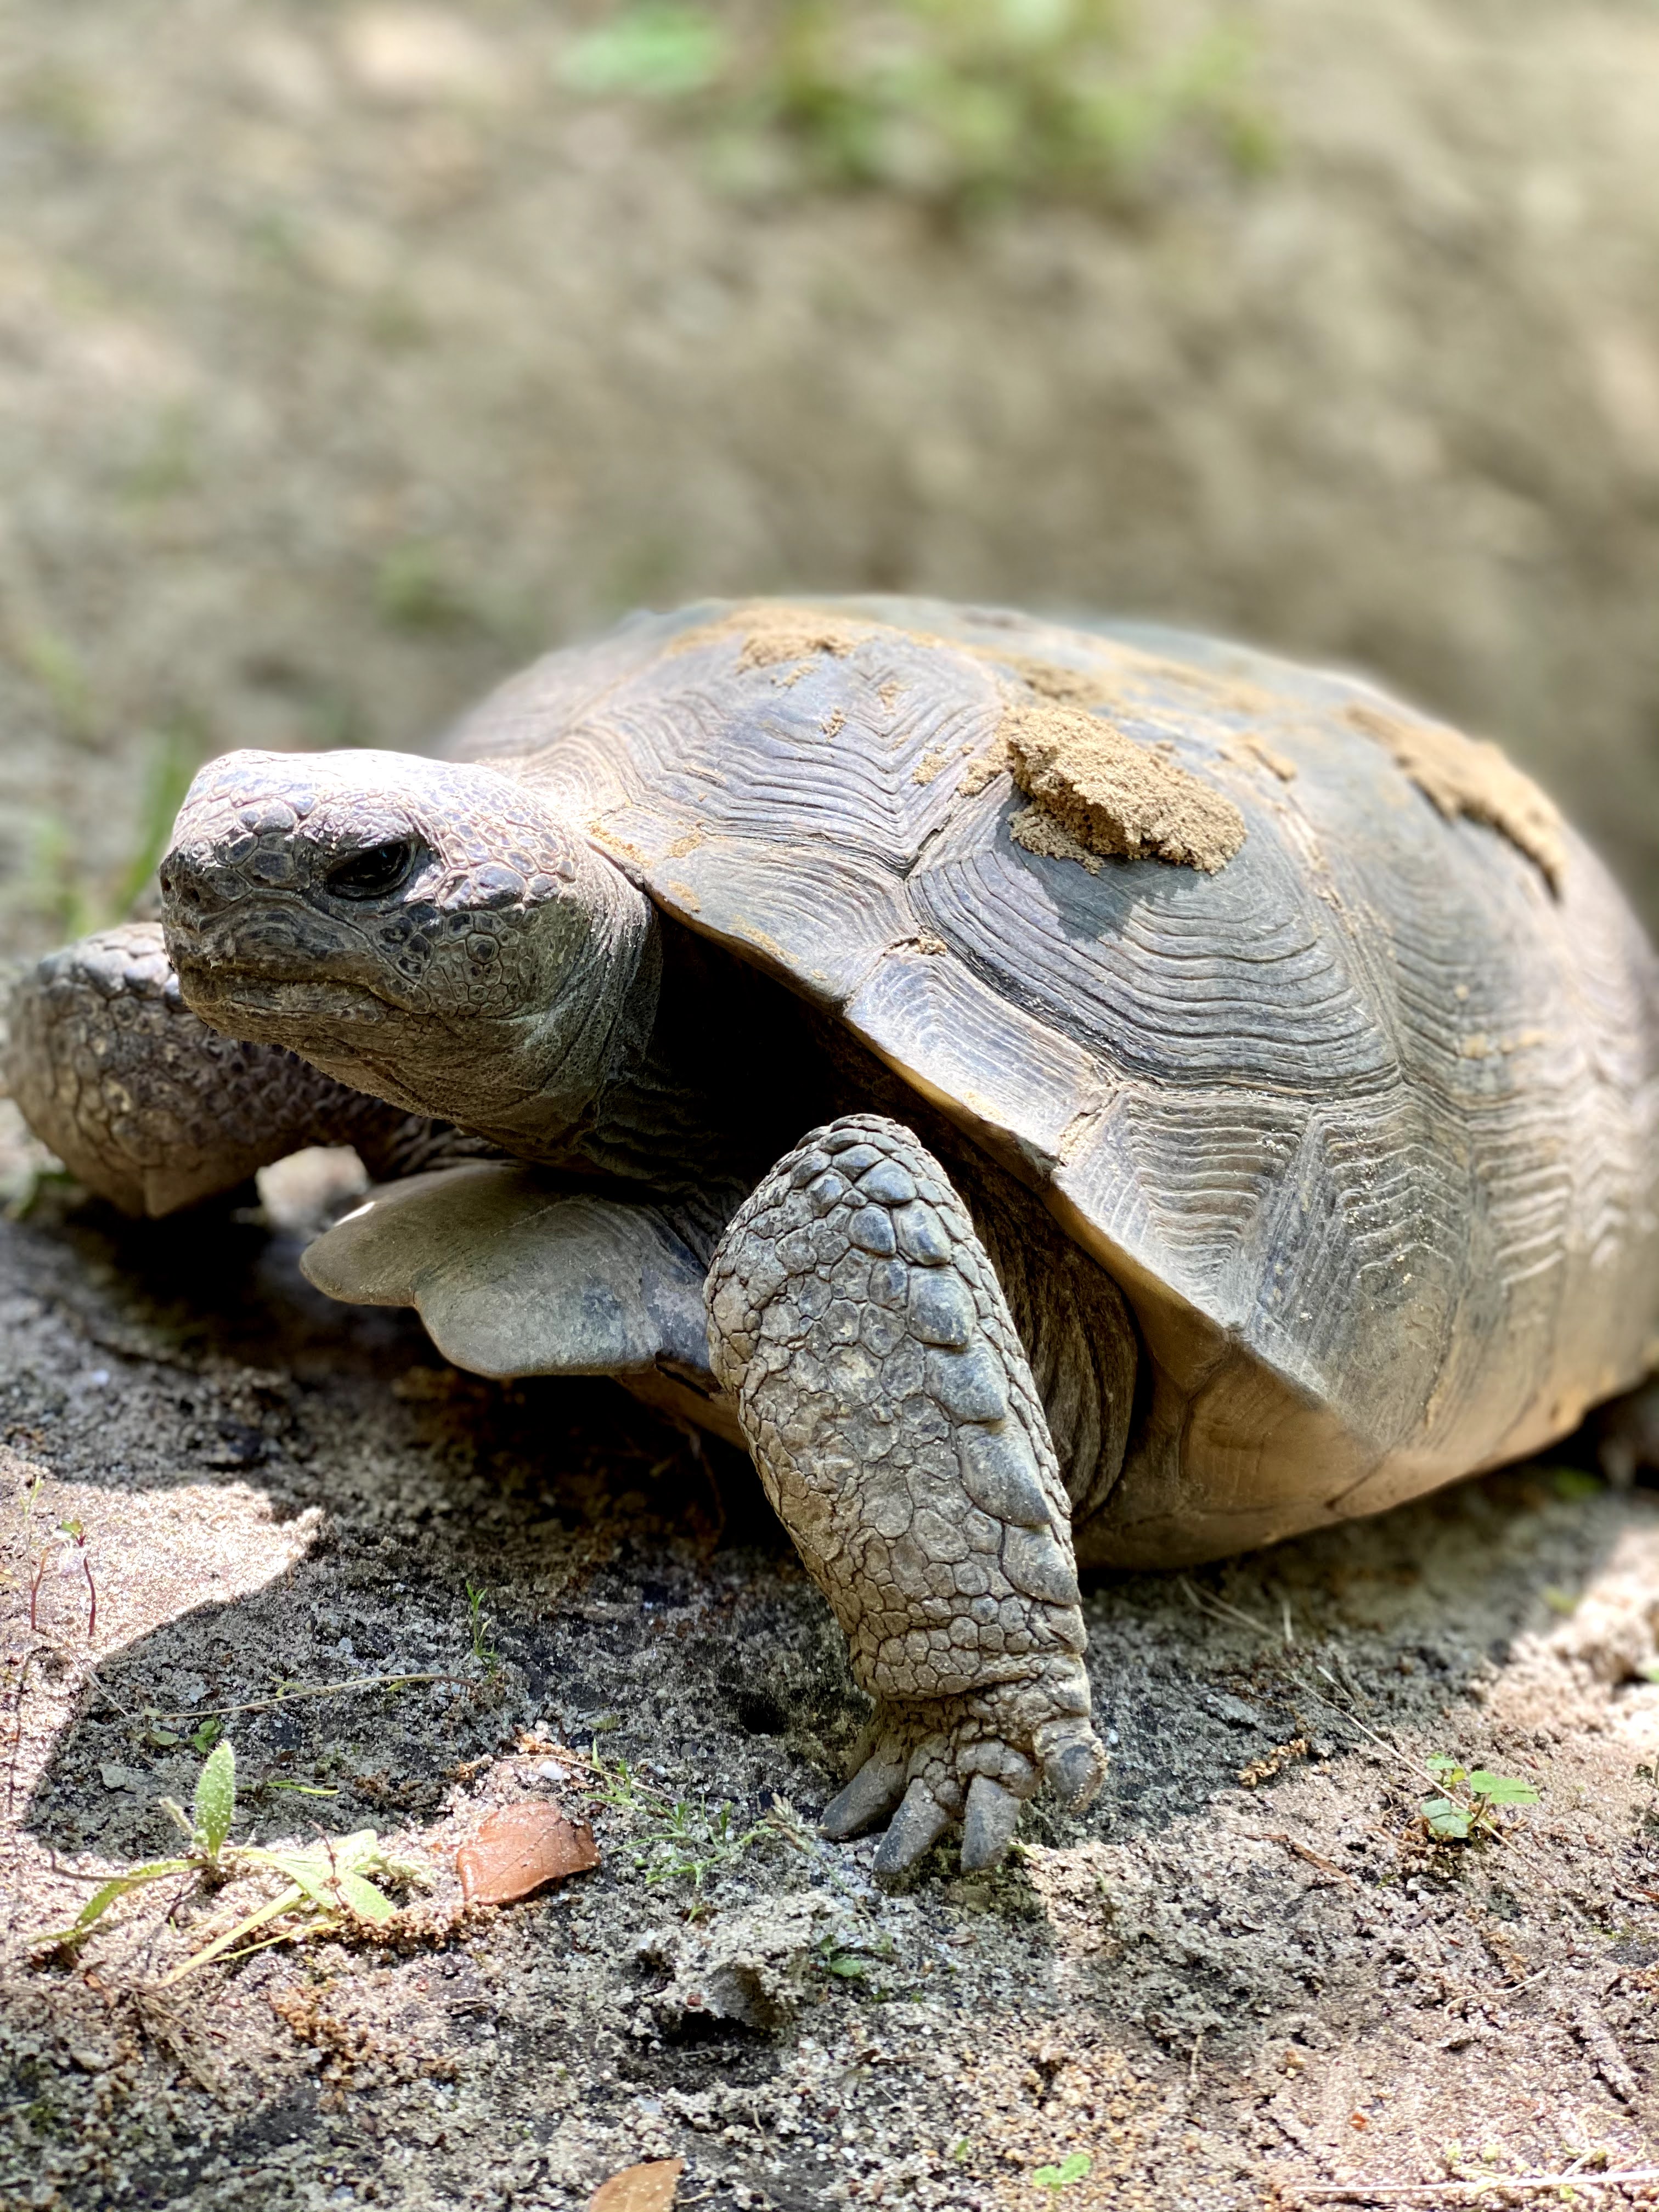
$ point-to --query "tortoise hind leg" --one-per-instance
(856, 1316)
(150, 1108)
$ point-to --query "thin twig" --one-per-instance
(1207, 1601)
(310, 1690)
(1423, 1773)
(608, 1774)
(327, 1842)
(1202, 1599)
(97, 1878)
(90, 1674)
(1363, 2192)
(1280, 1836)
(29, 1658)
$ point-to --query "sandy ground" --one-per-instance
(1225, 1992)
(344, 361)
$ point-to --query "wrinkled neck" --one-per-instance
(669, 1117)
(534, 1082)
(630, 1089)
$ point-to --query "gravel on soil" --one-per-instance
(1244, 1973)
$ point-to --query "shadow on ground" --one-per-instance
(1243, 1945)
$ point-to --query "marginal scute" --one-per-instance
(1114, 796)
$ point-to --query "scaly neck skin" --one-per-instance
(660, 1116)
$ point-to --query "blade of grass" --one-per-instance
(117, 1886)
(278, 1906)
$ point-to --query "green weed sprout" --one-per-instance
(1470, 1797)
(213, 1807)
(1073, 2167)
(484, 1654)
(327, 1889)
(686, 1840)
(657, 50)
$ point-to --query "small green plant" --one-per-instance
(71, 1553)
(1073, 2168)
(854, 1961)
(77, 899)
(175, 753)
(953, 102)
(485, 1656)
(201, 1738)
(687, 1839)
(213, 1809)
(691, 1842)
(847, 1966)
(1468, 1805)
(327, 1890)
(662, 50)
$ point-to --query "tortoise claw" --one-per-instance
(917, 1826)
(1074, 1766)
(867, 1800)
(987, 1824)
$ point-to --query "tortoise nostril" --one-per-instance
(185, 885)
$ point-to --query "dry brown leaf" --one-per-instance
(648, 2188)
(520, 1848)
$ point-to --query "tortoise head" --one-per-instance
(427, 932)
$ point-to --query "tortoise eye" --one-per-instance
(374, 870)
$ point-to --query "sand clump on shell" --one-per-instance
(1105, 794)
(1471, 776)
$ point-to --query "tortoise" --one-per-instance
(1059, 1095)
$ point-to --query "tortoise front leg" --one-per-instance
(153, 1109)
(855, 1317)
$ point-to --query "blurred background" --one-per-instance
(350, 355)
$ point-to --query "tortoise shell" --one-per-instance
(1359, 1112)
